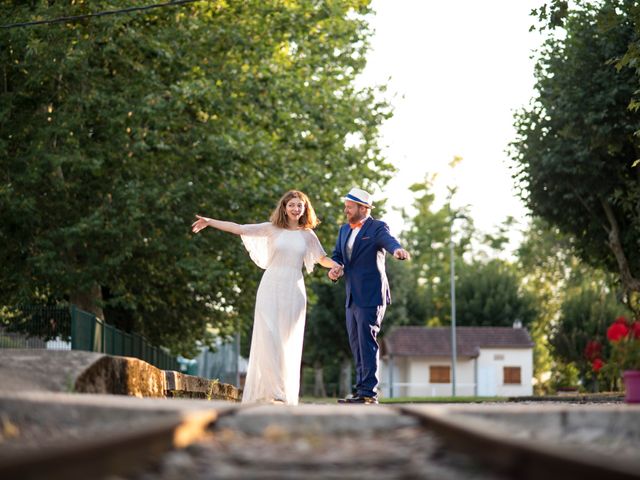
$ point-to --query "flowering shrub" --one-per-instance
(593, 353)
(624, 337)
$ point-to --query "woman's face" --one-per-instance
(295, 209)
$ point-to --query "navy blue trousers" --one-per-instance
(363, 325)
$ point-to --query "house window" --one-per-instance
(439, 374)
(512, 375)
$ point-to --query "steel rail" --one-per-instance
(117, 453)
(517, 458)
(481, 439)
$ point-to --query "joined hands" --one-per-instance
(336, 272)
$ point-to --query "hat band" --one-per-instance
(355, 199)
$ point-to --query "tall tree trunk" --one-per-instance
(318, 384)
(89, 300)
(345, 378)
(629, 282)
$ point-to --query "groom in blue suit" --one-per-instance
(360, 249)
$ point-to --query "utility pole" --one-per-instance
(453, 317)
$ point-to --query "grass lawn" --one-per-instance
(443, 399)
(331, 400)
(319, 400)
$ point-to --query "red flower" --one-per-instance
(624, 336)
(618, 330)
(593, 350)
(597, 364)
(622, 319)
(635, 329)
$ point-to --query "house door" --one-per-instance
(487, 382)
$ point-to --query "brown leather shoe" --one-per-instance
(370, 400)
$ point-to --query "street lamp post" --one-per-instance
(454, 215)
(453, 318)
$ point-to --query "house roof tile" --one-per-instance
(431, 342)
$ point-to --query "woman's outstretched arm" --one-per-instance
(335, 269)
(326, 262)
(203, 222)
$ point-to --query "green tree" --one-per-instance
(117, 130)
(404, 308)
(545, 258)
(326, 345)
(589, 307)
(490, 294)
(576, 146)
(428, 238)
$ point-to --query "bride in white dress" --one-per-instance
(282, 247)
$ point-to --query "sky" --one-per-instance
(456, 72)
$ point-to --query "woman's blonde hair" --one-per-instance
(308, 218)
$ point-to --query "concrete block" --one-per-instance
(122, 376)
(188, 386)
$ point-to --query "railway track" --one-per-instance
(532, 455)
(170, 439)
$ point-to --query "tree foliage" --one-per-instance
(326, 334)
(545, 258)
(117, 130)
(575, 151)
(547, 261)
(589, 307)
(490, 294)
(576, 302)
(428, 238)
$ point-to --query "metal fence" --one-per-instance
(36, 327)
(62, 328)
(223, 363)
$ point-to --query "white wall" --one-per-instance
(411, 374)
(399, 377)
(496, 359)
(411, 377)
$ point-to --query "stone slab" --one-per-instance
(43, 370)
(119, 404)
(181, 385)
(122, 376)
(76, 371)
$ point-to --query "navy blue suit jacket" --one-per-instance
(364, 274)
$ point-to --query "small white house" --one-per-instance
(490, 361)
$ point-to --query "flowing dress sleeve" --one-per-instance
(257, 239)
(314, 250)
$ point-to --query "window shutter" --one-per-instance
(440, 374)
(512, 375)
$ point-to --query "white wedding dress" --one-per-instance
(273, 373)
